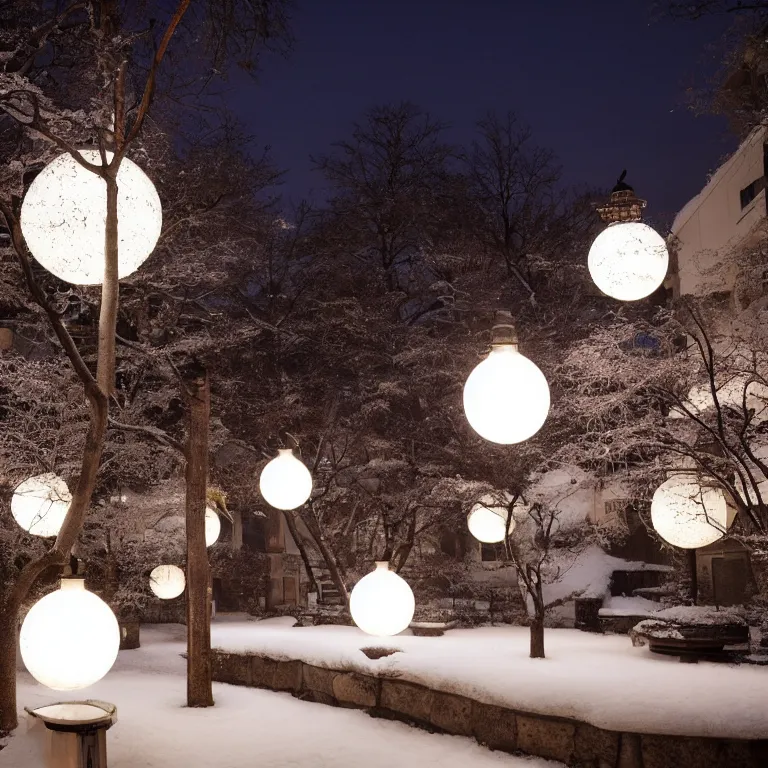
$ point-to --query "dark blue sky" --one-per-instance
(601, 82)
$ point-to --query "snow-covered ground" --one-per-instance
(247, 727)
(600, 679)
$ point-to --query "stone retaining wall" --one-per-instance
(572, 742)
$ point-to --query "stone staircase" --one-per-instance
(329, 594)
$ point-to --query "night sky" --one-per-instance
(601, 82)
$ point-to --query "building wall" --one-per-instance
(714, 223)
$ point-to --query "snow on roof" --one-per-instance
(693, 204)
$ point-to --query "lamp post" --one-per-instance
(628, 260)
(506, 397)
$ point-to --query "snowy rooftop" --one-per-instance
(600, 679)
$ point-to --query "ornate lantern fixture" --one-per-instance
(628, 260)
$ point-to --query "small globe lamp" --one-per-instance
(382, 603)
(490, 523)
(40, 504)
(167, 581)
(212, 527)
(70, 637)
(688, 513)
(64, 215)
(285, 482)
(628, 260)
(506, 397)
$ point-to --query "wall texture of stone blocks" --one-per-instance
(573, 742)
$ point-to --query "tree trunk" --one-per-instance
(197, 396)
(8, 629)
(694, 576)
(328, 556)
(537, 637)
(290, 521)
(537, 626)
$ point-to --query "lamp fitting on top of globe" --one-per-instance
(506, 397)
(628, 260)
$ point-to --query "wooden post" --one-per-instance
(197, 396)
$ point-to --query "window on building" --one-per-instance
(751, 191)
(254, 534)
(452, 544)
(492, 553)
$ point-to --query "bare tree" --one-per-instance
(385, 176)
(116, 123)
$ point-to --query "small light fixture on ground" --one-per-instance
(628, 260)
(487, 521)
(687, 513)
(40, 504)
(69, 638)
(212, 527)
(382, 603)
(285, 482)
(167, 581)
(63, 218)
(506, 397)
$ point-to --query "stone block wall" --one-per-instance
(572, 742)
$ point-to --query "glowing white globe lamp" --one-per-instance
(487, 522)
(506, 397)
(212, 527)
(40, 504)
(167, 581)
(69, 638)
(285, 482)
(628, 260)
(687, 513)
(382, 603)
(64, 214)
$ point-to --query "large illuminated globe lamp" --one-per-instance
(69, 638)
(40, 504)
(212, 527)
(687, 514)
(382, 603)
(64, 214)
(506, 397)
(628, 260)
(488, 523)
(285, 482)
(167, 581)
